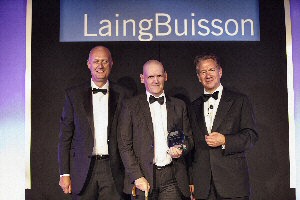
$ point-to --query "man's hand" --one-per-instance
(215, 139)
(175, 151)
(142, 184)
(192, 190)
(65, 184)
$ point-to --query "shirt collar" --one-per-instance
(106, 86)
(220, 89)
(149, 94)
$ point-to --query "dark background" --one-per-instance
(257, 69)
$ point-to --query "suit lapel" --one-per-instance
(170, 114)
(112, 105)
(146, 114)
(223, 108)
(199, 110)
(88, 105)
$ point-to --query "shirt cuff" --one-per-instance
(64, 175)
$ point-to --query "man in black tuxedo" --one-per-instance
(89, 162)
(150, 165)
(223, 128)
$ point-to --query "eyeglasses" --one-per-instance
(209, 71)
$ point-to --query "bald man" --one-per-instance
(89, 163)
(152, 167)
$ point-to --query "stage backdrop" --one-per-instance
(256, 68)
(12, 99)
(155, 20)
(295, 26)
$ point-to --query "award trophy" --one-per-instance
(176, 139)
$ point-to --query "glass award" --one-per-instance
(176, 139)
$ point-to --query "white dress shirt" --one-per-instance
(211, 107)
(100, 114)
(159, 121)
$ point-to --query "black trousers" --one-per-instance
(100, 185)
(165, 186)
(213, 194)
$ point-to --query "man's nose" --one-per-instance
(208, 75)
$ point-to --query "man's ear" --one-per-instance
(88, 64)
(112, 63)
(142, 78)
(166, 76)
(198, 76)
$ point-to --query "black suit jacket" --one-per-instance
(228, 168)
(136, 140)
(76, 137)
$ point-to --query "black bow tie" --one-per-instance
(96, 90)
(214, 95)
(160, 100)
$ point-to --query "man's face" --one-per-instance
(209, 74)
(154, 78)
(100, 65)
